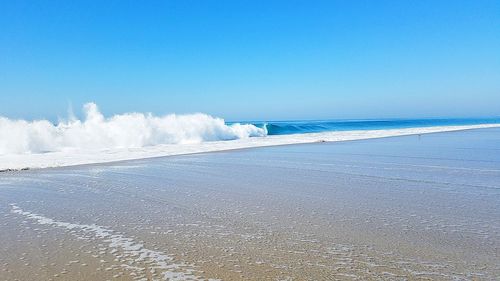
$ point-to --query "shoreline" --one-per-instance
(393, 208)
(81, 158)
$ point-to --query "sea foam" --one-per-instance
(132, 254)
(130, 130)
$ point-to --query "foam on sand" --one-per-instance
(132, 253)
(96, 139)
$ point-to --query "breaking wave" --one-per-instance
(129, 130)
(318, 126)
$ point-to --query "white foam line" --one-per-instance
(79, 157)
(132, 253)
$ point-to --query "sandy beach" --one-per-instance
(419, 207)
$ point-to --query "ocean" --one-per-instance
(97, 138)
(317, 126)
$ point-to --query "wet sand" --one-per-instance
(404, 208)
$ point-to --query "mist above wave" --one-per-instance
(129, 130)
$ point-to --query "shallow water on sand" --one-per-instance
(415, 207)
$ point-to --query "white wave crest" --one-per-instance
(129, 130)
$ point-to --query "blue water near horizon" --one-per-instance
(317, 126)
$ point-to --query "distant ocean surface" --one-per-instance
(318, 126)
(97, 138)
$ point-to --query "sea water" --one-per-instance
(96, 138)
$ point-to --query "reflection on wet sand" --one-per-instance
(393, 209)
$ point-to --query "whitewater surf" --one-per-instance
(97, 139)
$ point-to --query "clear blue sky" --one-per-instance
(248, 60)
